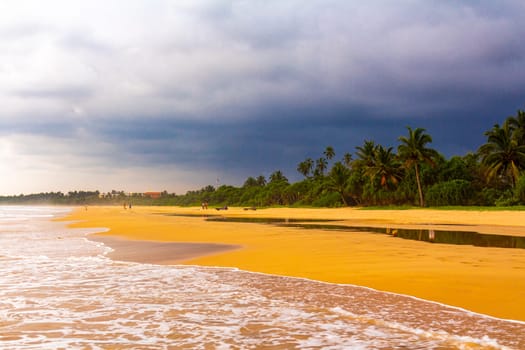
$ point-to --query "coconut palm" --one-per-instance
(306, 167)
(347, 159)
(503, 154)
(413, 151)
(366, 153)
(338, 179)
(261, 180)
(517, 124)
(320, 166)
(385, 166)
(329, 152)
(277, 176)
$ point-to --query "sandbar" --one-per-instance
(485, 280)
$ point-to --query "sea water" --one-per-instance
(58, 290)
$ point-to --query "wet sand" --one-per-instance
(163, 253)
(485, 280)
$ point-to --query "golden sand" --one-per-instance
(485, 280)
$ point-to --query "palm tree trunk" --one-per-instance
(343, 198)
(421, 201)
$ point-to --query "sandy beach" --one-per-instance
(485, 280)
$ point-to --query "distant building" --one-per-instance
(153, 195)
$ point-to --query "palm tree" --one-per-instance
(347, 159)
(306, 167)
(329, 152)
(503, 154)
(518, 126)
(278, 176)
(338, 179)
(385, 166)
(261, 180)
(366, 153)
(320, 166)
(413, 152)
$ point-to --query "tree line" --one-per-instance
(87, 198)
(412, 173)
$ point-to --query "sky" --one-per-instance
(145, 95)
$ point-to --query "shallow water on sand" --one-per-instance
(59, 290)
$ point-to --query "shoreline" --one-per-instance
(488, 281)
(114, 243)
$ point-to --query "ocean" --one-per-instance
(59, 290)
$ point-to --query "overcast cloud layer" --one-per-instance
(157, 94)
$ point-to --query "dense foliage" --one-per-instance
(411, 174)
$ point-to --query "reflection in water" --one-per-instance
(461, 237)
(436, 236)
(429, 235)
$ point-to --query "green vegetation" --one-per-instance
(413, 152)
(374, 176)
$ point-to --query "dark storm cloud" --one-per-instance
(241, 148)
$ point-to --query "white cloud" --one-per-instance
(31, 164)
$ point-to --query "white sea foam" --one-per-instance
(59, 290)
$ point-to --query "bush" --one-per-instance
(329, 199)
(454, 192)
(489, 196)
(506, 199)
